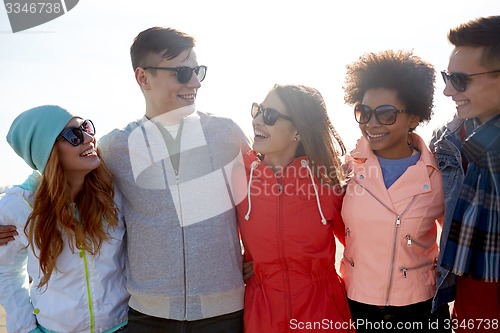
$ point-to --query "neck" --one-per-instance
(75, 185)
(277, 163)
(171, 117)
(405, 151)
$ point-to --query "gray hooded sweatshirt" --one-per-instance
(184, 254)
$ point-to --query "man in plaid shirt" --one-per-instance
(468, 154)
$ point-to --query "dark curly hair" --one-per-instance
(401, 71)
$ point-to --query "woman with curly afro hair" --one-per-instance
(394, 196)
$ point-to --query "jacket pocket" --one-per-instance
(427, 275)
(411, 242)
(450, 170)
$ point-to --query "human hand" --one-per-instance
(247, 270)
(7, 233)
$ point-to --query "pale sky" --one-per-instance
(81, 60)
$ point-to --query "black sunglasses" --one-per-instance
(74, 135)
(385, 114)
(459, 80)
(268, 115)
(184, 73)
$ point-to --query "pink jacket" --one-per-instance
(391, 234)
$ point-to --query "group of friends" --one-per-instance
(179, 223)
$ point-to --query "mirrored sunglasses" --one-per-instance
(384, 114)
(459, 80)
(185, 73)
(269, 115)
(75, 136)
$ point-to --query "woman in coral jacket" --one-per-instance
(289, 215)
(394, 197)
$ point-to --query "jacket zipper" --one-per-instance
(398, 223)
(282, 250)
(87, 282)
(406, 269)
(183, 242)
(410, 241)
(347, 235)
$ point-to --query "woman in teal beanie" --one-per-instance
(72, 245)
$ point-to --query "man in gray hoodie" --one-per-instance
(175, 168)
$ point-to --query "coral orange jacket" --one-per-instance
(287, 226)
(391, 234)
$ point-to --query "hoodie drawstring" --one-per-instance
(254, 166)
(306, 165)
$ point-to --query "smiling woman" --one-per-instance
(291, 215)
(388, 267)
(67, 221)
(254, 45)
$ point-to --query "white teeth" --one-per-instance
(187, 96)
(87, 152)
(375, 135)
(460, 103)
(259, 133)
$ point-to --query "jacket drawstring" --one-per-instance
(306, 165)
(254, 166)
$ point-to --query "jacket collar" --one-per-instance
(363, 153)
(367, 172)
(296, 163)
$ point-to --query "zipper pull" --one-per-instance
(347, 232)
(404, 272)
(398, 221)
(408, 240)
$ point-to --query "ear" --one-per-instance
(414, 121)
(296, 137)
(142, 78)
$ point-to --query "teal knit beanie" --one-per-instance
(34, 132)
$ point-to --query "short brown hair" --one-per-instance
(166, 43)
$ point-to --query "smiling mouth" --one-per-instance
(89, 152)
(259, 134)
(375, 136)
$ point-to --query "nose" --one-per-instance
(373, 121)
(87, 137)
(194, 82)
(449, 90)
(258, 120)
